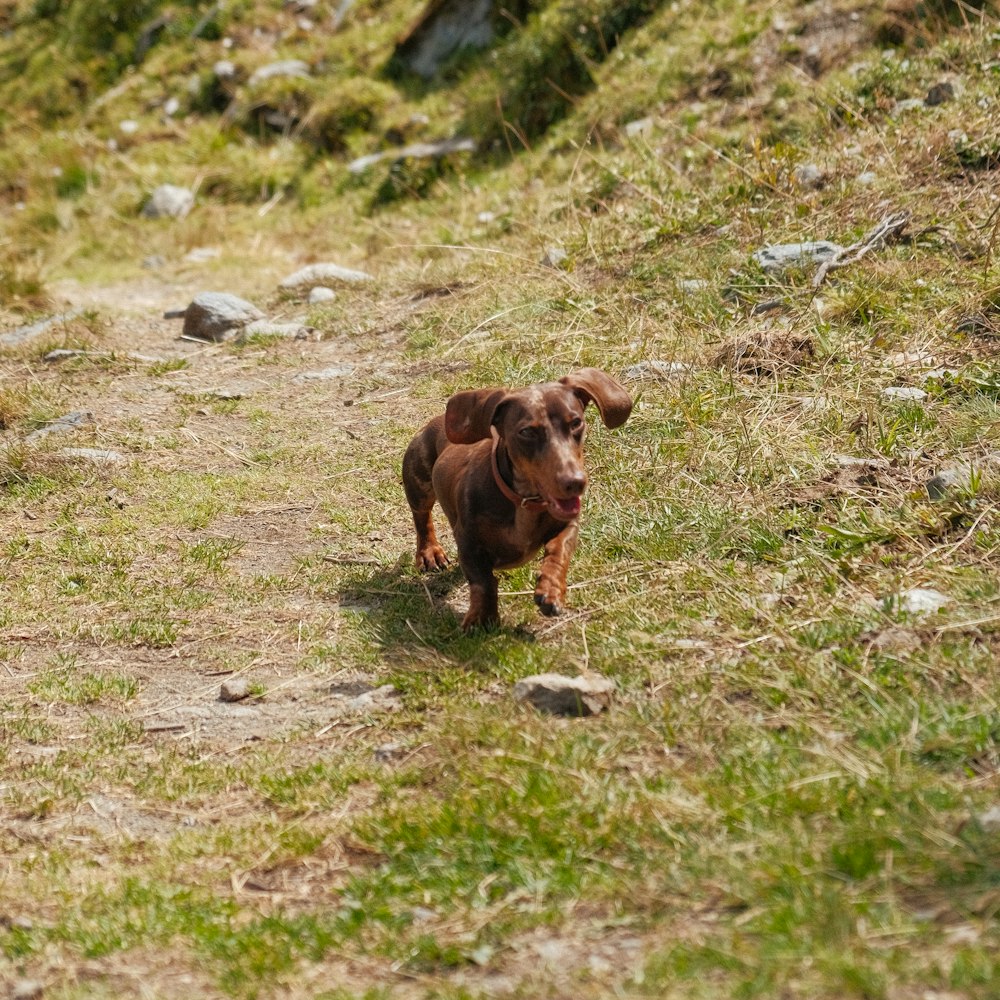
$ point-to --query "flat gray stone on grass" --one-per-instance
(785, 255)
(959, 478)
(325, 374)
(22, 334)
(265, 328)
(321, 294)
(168, 201)
(284, 67)
(99, 456)
(415, 151)
(560, 695)
(216, 316)
(70, 422)
(904, 394)
(921, 601)
(655, 369)
(320, 274)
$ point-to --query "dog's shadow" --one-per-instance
(411, 616)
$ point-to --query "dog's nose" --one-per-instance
(574, 484)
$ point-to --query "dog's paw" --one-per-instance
(549, 603)
(431, 558)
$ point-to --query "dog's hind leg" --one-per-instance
(418, 461)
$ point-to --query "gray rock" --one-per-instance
(265, 328)
(70, 422)
(808, 175)
(785, 255)
(444, 28)
(64, 353)
(199, 255)
(554, 257)
(641, 126)
(215, 316)
(990, 820)
(171, 106)
(168, 202)
(692, 286)
(284, 67)
(904, 393)
(234, 689)
(559, 695)
(655, 369)
(414, 151)
(854, 462)
(867, 178)
(940, 93)
(318, 274)
(389, 752)
(26, 989)
(128, 127)
(99, 456)
(224, 69)
(321, 294)
(921, 601)
(958, 478)
(909, 104)
(24, 334)
(325, 374)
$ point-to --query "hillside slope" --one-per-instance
(789, 559)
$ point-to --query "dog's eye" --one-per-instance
(576, 424)
(528, 433)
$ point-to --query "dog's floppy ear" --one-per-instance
(469, 415)
(591, 384)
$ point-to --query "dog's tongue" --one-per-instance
(565, 508)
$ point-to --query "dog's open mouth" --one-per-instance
(564, 509)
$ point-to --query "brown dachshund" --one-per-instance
(507, 469)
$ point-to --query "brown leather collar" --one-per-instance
(526, 503)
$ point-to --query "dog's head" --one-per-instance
(542, 429)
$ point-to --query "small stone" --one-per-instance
(234, 689)
(655, 369)
(171, 107)
(224, 69)
(867, 178)
(99, 456)
(854, 462)
(168, 202)
(641, 126)
(485, 218)
(808, 175)
(415, 151)
(692, 286)
(785, 255)
(321, 294)
(921, 601)
(909, 104)
(904, 394)
(389, 752)
(554, 257)
(940, 93)
(325, 374)
(26, 989)
(70, 422)
(284, 67)
(216, 316)
(318, 274)
(199, 255)
(128, 127)
(264, 328)
(989, 821)
(23, 334)
(959, 478)
(559, 695)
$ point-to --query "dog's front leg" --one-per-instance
(550, 589)
(483, 606)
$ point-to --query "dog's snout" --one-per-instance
(573, 484)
